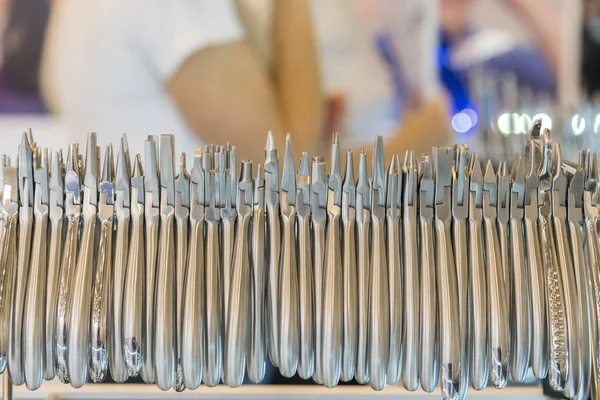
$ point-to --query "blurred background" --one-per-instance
(420, 72)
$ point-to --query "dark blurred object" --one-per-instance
(23, 41)
(590, 52)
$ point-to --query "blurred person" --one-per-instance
(22, 29)
(590, 55)
(470, 42)
(210, 71)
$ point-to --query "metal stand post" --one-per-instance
(7, 392)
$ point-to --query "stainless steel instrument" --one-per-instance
(433, 273)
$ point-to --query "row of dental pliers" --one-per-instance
(439, 272)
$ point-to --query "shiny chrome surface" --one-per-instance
(449, 325)
(332, 314)
(288, 321)
(429, 348)
(79, 312)
(122, 220)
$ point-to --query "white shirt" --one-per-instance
(350, 63)
(107, 60)
(106, 63)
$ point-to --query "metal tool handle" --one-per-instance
(350, 301)
(148, 372)
(289, 345)
(98, 363)
(212, 361)
(565, 263)
(15, 347)
(581, 282)
(394, 241)
(459, 229)
(227, 244)
(7, 266)
(567, 276)
(558, 372)
(53, 275)
(257, 345)
(519, 309)
(498, 313)
(332, 303)
(273, 227)
(305, 307)
(504, 257)
(134, 346)
(80, 304)
(116, 356)
(428, 364)
(379, 314)
(361, 373)
(593, 269)
(537, 291)
(33, 324)
(66, 276)
(164, 327)
(192, 346)
(319, 265)
(411, 292)
(479, 362)
(237, 324)
(181, 243)
(448, 308)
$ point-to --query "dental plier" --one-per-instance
(152, 222)
(535, 268)
(379, 310)
(319, 221)
(288, 321)
(122, 211)
(26, 202)
(332, 275)
(557, 307)
(566, 274)
(165, 326)
(69, 261)
(394, 244)
(590, 203)
(33, 324)
(363, 266)
(519, 314)
(182, 216)
(306, 354)
(237, 323)
(228, 221)
(56, 217)
(350, 304)
(99, 335)
(79, 318)
(460, 215)
(257, 340)
(498, 332)
(479, 356)
(273, 226)
(411, 290)
(211, 373)
(429, 349)
(575, 175)
(446, 276)
(8, 260)
(193, 313)
(134, 345)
